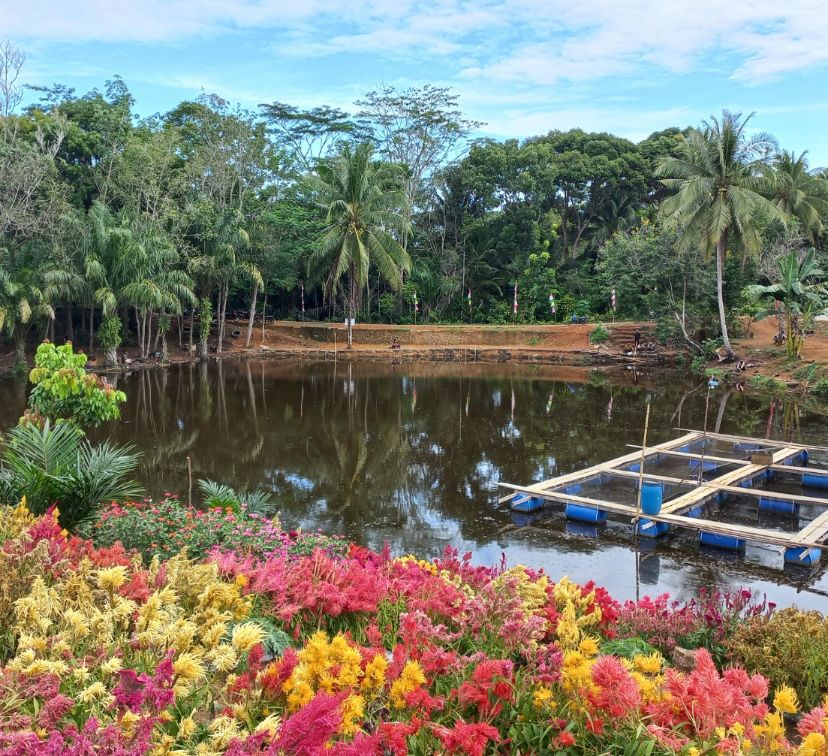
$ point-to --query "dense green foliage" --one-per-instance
(63, 390)
(172, 224)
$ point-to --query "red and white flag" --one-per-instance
(514, 304)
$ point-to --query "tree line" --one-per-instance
(116, 228)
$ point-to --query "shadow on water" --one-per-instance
(410, 455)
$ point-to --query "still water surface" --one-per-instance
(410, 456)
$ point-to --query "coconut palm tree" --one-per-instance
(23, 300)
(721, 186)
(801, 193)
(800, 289)
(363, 203)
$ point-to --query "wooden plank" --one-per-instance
(755, 535)
(815, 531)
(649, 476)
(710, 488)
(705, 457)
(760, 441)
(590, 471)
(776, 495)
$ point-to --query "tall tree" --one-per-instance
(421, 129)
(363, 207)
(720, 190)
(800, 193)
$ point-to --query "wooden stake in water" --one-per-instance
(641, 464)
(189, 481)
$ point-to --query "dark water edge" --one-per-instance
(410, 455)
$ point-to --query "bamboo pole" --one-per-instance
(641, 464)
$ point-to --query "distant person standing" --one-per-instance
(637, 339)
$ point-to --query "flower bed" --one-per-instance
(275, 651)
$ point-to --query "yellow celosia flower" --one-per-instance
(223, 657)
(813, 745)
(772, 727)
(353, 710)
(785, 700)
(412, 677)
(189, 667)
(648, 665)
(588, 646)
(542, 697)
(247, 635)
(94, 692)
(186, 727)
(128, 721)
(374, 678)
(270, 724)
(111, 666)
(112, 578)
(222, 730)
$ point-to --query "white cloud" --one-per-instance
(537, 41)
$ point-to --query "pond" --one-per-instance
(409, 455)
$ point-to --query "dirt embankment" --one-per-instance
(547, 344)
(768, 360)
(527, 344)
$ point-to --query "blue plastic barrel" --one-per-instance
(802, 557)
(719, 541)
(815, 480)
(778, 506)
(706, 465)
(651, 529)
(522, 502)
(652, 496)
(573, 527)
(584, 513)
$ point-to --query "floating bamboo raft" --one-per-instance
(739, 466)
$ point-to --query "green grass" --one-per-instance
(599, 334)
(767, 383)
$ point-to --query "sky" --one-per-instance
(524, 67)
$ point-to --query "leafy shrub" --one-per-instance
(64, 390)
(767, 383)
(599, 335)
(221, 496)
(820, 388)
(710, 346)
(789, 648)
(697, 364)
(109, 333)
(807, 372)
(57, 465)
(165, 527)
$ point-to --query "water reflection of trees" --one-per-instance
(404, 456)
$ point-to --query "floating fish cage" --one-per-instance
(697, 482)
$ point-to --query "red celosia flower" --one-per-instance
(306, 732)
(470, 739)
(617, 693)
(564, 740)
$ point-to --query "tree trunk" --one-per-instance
(180, 320)
(20, 351)
(720, 253)
(252, 315)
(192, 325)
(91, 329)
(350, 313)
(70, 331)
(221, 314)
(264, 316)
(111, 357)
(165, 352)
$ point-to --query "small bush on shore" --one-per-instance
(167, 526)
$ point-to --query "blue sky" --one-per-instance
(522, 66)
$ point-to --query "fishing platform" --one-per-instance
(698, 482)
